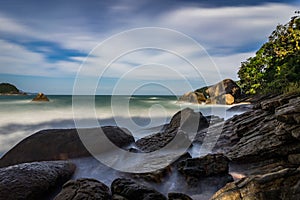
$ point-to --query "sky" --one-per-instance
(129, 46)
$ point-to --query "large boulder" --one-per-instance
(63, 144)
(225, 92)
(212, 168)
(189, 97)
(40, 97)
(187, 120)
(84, 189)
(182, 124)
(129, 189)
(33, 180)
(282, 184)
(227, 86)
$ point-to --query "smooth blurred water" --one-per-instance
(20, 117)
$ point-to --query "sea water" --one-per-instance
(20, 117)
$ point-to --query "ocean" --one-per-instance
(20, 117)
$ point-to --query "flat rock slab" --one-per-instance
(80, 189)
(33, 180)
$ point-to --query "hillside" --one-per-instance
(9, 89)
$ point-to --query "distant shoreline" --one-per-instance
(9, 94)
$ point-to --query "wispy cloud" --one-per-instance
(54, 41)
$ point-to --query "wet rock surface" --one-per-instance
(210, 170)
(183, 124)
(64, 144)
(264, 145)
(209, 165)
(128, 189)
(283, 184)
(260, 149)
(178, 196)
(33, 180)
(84, 189)
(269, 131)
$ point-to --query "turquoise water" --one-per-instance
(20, 117)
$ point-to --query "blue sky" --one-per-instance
(44, 43)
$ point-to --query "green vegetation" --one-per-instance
(276, 65)
(6, 88)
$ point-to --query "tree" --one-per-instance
(276, 64)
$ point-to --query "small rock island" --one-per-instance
(9, 89)
(40, 97)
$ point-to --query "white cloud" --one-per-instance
(15, 59)
(228, 26)
(220, 30)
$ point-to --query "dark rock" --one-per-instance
(178, 196)
(205, 172)
(209, 165)
(294, 159)
(33, 180)
(283, 184)
(241, 108)
(262, 133)
(129, 189)
(264, 146)
(63, 144)
(212, 119)
(187, 120)
(160, 140)
(156, 176)
(182, 124)
(84, 189)
(118, 197)
(40, 97)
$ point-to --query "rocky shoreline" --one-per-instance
(256, 155)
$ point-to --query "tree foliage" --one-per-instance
(276, 64)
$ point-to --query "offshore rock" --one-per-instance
(40, 97)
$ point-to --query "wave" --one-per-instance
(20, 117)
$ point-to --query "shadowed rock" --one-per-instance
(128, 189)
(183, 123)
(62, 144)
(84, 189)
(178, 196)
(208, 169)
(33, 180)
